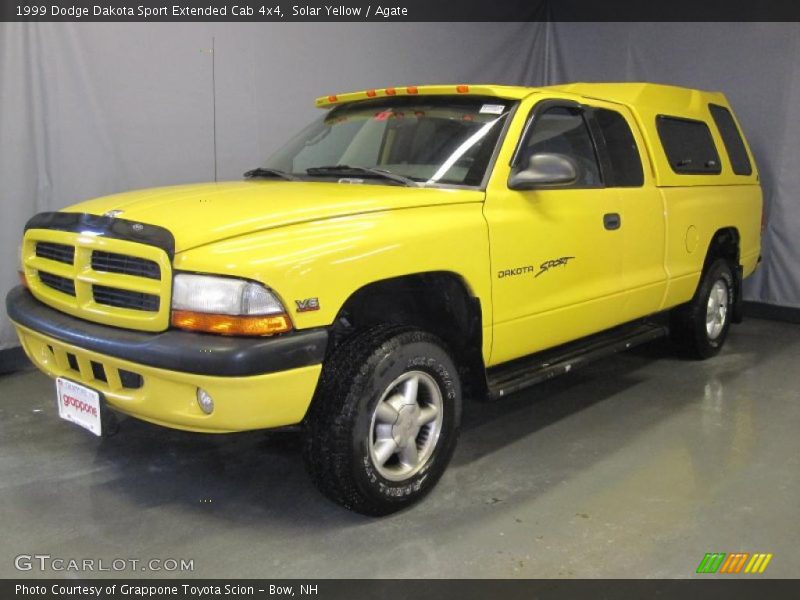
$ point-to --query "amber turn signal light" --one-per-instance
(252, 325)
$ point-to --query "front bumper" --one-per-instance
(256, 383)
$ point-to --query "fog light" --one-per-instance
(205, 401)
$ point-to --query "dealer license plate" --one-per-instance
(79, 404)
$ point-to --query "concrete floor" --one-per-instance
(635, 466)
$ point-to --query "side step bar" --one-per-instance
(524, 372)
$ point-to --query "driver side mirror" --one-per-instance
(544, 169)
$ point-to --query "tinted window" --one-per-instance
(688, 144)
(623, 154)
(562, 130)
(734, 145)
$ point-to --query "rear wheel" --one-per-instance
(385, 420)
(700, 327)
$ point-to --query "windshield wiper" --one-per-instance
(267, 172)
(355, 171)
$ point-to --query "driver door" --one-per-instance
(556, 249)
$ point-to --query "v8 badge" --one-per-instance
(307, 305)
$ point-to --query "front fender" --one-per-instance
(330, 259)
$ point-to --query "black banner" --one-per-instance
(436, 589)
(397, 10)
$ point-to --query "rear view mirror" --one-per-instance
(544, 169)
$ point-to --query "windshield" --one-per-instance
(425, 139)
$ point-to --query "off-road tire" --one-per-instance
(340, 422)
(688, 322)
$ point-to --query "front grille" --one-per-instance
(58, 252)
(61, 284)
(124, 299)
(111, 262)
(100, 278)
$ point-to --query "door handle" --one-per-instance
(612, 221)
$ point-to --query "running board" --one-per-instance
(524, 372)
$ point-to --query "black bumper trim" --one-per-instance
(183, 351)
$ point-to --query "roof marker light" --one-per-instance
(391, 91)
(332, 98)
(462, 89)
(412, 89)
(371, 93)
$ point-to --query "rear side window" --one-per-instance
(689, 146)
(732, 138)
(626, 165)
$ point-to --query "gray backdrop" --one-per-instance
(88, 109)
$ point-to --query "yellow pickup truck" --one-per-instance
(412, 246)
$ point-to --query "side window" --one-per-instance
(626, 164)
(732, 138)
(562, 130)
(689, 146)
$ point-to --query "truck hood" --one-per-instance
(204, 213)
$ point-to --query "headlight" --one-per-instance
(226, 306)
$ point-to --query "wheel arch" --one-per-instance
(441, 302)
(726, 244)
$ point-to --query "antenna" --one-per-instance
(214, 99)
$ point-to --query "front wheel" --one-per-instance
(385, 420)
(700, 327)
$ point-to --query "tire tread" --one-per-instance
(329, 424)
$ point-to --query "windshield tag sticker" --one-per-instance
(492, 109)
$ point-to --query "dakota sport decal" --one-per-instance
(543, 268)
